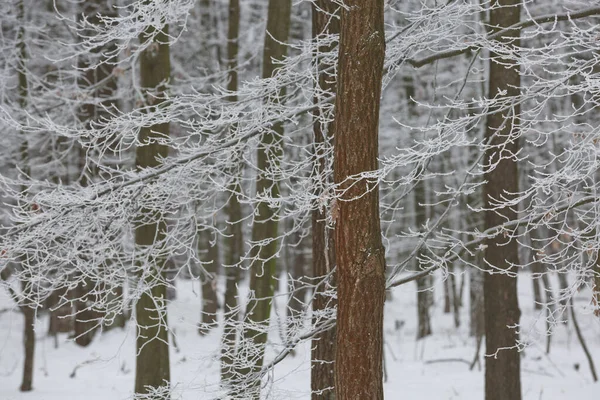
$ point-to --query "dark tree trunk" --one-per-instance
(265, 226)
(297, 287)
(87, 320)
(29, 346)
(209, 255)
(477, 323)
(98, 84)
(536, 269)
(447, 297)
(152, 345)
(456, 297)
(27, 309)
(325, 20)
(358, 247)
(234, 241)
(502, 372)
(424, 284)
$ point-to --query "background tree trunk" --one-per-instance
(424, 284)
(358, 247)
(209, 255)
(234, 242)
(27, 309)
(152, 345)
(325, 20)
(269, 153)
(502, 372)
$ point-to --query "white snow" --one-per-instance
(110, 374)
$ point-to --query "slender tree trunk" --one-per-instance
(234, 241)
(477, 322)
(447, 297)
(152, 345)
(29, 346)
(297, 288)
(456, 296)
(502, 371)
(99, 85)
(358, 247)
(325, 20)
(27, 310)
(424, 284)
(262, 268)
(210, 302)
(536, 268)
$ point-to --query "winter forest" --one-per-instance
(307, 199)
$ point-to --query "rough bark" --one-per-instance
(502, 372)
(323, 257)
(265, 226)
(358, 247)
(234, 241)
(152, 361)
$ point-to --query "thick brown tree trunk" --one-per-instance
(358, 247)
(152, 346)
(502, 371)
(325, 20)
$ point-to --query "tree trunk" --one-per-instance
(210, 302)
(325, 20)
(358, 247)
(447, 297)
(502, 371)
(87, 320)
(424, 284)
(477, 322)
(234, 241)
(456, 296)
(29, 346)
(269, 153)
(98, 84)
(297, 288)
(152, 345)
(27, 309)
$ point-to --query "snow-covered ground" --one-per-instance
(415, 370)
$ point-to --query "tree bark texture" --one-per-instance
(358, 247)
(325, 20)
(234, 240)
(502, 371)
(152, 361)
(269, 153)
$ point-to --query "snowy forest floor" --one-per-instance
(427, 369)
